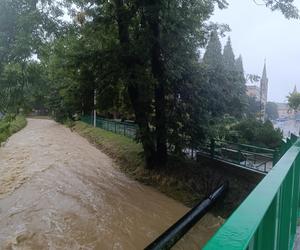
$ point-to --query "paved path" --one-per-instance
(59, 192)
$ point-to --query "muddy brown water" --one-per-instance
(59, 192)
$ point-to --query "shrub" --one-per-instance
(11, 124)
(247, 131)
(252, 131)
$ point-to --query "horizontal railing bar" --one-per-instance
(247, 145)
(118, 122)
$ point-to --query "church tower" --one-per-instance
(263, 93)
(295, 90)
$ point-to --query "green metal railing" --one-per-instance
(247, 156)
(267, 219)
(123, 128)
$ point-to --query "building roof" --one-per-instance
(282, 105)
(252, 87)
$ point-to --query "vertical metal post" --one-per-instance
(212, 148)
(95, 104)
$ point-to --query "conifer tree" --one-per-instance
(216, 84)
(240, 71)
(228, 57)
(213, 54)
(235, 79)
(239, 65)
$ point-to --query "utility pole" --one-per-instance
(95, 104)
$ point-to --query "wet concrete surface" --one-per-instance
(59, 192)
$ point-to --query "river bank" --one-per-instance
(10, 125)
(183, 180)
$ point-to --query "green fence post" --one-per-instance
(240, 156)
(295, 198)
(268, 227)
(285, 218)
(275, 157)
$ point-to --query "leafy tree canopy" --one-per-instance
(294, 101)
(141, 57)
(272, 111)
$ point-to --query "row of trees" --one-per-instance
(142, 58)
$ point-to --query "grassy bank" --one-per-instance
(10, 125)
(183, 180)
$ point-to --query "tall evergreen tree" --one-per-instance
(229, 58)
(216, 88)
(239, 65)
(213, 53)
(234, 74)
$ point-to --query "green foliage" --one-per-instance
(142, 57)
(253, 107)
(213, 53)
(11, 124)
(121, 148)
(226, 80)
(287, 7)
(254, 132)
(294, 100)
(246, 131)
(222, 128)
(229, 58)
(271, 111)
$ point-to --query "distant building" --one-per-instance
(284, 111)
(260, 92)
(253, 91)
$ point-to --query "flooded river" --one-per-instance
(59, 192)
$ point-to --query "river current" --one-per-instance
(57, 191)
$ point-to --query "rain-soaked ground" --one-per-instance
(59, 192)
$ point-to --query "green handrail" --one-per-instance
(267, 219)
(248, 147)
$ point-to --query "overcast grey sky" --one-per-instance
(258, 33)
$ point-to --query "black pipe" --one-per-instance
(170, 237)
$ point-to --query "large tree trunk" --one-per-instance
(158, 72)
(142, 121)
(130, 63)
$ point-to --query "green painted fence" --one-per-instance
(247, 156)
(123, 128)
(267, 219)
